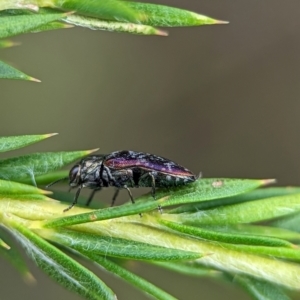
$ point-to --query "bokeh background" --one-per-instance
(223, 100)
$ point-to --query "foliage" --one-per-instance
(226, 229)
(25, 16)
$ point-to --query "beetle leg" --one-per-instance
(130, 195)
(89, 200)
(129, 192)
(153, 191)
(75, 199)
(152, 184)
(115, 197)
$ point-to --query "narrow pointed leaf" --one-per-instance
(117, 247)
(189, 268)
(8, 143)
(201, 190)
(262, 193)
(8, 72)
(251, 229)
(51, 26)
(32, 165)
(131, 278)
(108, 9)
(61, 267)
(3, 245)
(96, 24)
(290, 222)
(241, 239)
(101, 214)
(209, 189)
(253, 211)
(14, 25)
(166, 16)
(280, 252)
(7, 44)
(10, 188)
(260, 289)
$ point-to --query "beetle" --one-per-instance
(126, 169)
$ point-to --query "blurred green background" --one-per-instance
(223, 100)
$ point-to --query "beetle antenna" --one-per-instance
(56, 181)
(200, 175)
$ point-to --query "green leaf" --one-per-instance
(257, 230)
(51, 26)
(7, 44)
(115, 26)
(260, 289)
(8, 143)
(201, 190)
(280, 252)
(166, 16)
(220, 256)
(45, 27)
(241, 239)
(15, 189)
(108, 9)
(29, 166)
(3, 245)
(209, 189)
(226, 257)
(117, 247)
(262, 193)
(253, 211)
(60, 266)
(131, 278)
(8, 72)
(101, 214)
(18, 24)
(189, 268)
(146, 230)
(290, 222)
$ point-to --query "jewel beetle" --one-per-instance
(126, 169)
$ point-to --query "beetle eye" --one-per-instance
(73, 175)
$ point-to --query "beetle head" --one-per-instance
(74, 176)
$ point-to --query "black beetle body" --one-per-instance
(125, 169)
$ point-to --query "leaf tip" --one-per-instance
(29, 279)
(8, 44)
(268, 181)
(67, 26)
(45, 192)
(92, 150)
(161, 32)
(34, 79)
(14, 44)
(50, 135)
(4, 245)
(221, 22)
